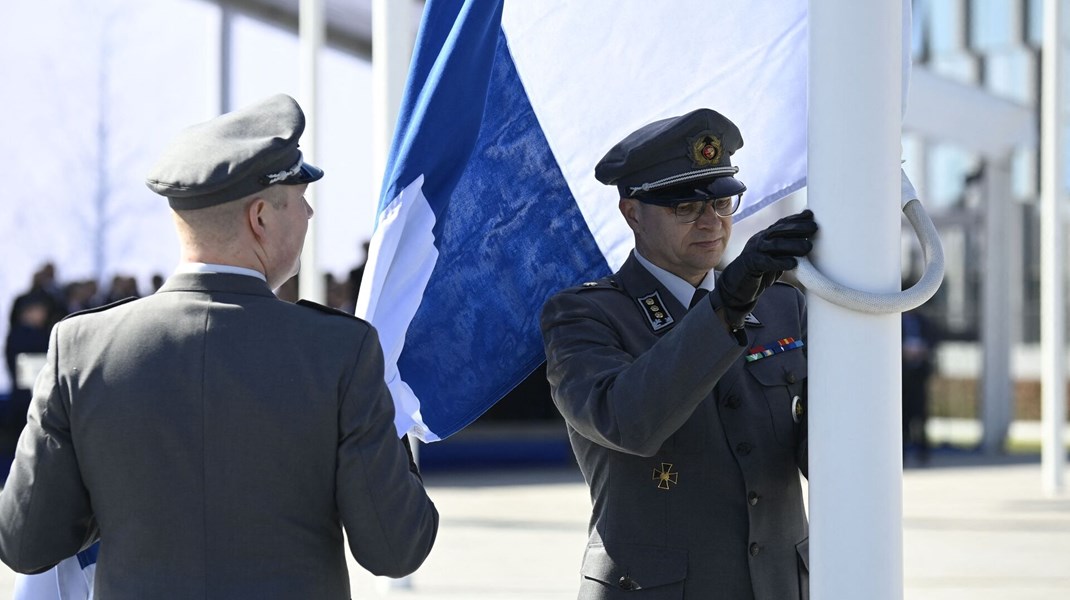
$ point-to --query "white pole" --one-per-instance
(856, 540)
(312, 28)
(226, 30)
(393, 37)
(1052, 254)
(997, 400)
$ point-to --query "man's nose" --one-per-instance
(709, 219)
(308, 209)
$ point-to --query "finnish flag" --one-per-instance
(489, 203)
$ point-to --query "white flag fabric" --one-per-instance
(71, 579)
(489, 202)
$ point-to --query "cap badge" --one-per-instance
(665, 476)
(655, 312)
(273, 178)
(705, 150)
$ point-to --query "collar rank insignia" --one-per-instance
(664, 476)
(750, 319)
(655, 312)
(783, 345)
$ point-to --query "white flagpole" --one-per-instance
(854, 358)
(1052, 253)
(393, 36)
(311, 33)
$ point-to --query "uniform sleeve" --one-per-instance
(45, 513)
(390, 521)
(630, 403)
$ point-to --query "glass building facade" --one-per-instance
(994, 45)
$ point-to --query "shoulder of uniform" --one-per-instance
(327, 309)
(786, 285)
(610, 282)
(102, 308)
(785, 289)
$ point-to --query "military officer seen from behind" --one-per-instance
(684, 389)
(216, 439)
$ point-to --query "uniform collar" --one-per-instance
(678, 287)
(198, 267)
(216, 282)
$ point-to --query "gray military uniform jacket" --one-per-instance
(218, 440)
(692, 453)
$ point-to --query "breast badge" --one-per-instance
(665, 476)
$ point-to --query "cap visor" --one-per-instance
(307, 174)
(310, 173)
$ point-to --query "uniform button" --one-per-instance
(753, 498)
(731, 402)
(790, 377)
(743, 448)
(754, 549)
(627, 583)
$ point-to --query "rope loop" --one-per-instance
(893, 302)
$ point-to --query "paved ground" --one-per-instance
(974, 529)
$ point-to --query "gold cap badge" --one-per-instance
(705, 150)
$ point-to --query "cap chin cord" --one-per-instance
(895, 302)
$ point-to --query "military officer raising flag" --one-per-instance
(684, 389)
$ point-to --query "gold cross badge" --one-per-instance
(664, 476)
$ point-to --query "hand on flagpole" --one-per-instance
(766, 255)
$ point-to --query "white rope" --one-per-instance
(893, 302)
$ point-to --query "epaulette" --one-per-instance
(326, 309)
(607, 282)
(102, 308)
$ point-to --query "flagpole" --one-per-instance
(393, 37)
(312, 28)
(1052, 252)
(854, 403)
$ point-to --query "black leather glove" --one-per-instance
(764, 258)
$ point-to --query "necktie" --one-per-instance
(699, 295)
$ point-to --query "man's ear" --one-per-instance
(256, 217)
(630, 209)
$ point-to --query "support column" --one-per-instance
(1052, 254)
(997, 397)
(393, 37)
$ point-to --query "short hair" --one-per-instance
(213, 224)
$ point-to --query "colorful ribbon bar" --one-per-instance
(782, 345)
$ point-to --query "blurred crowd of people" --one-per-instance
(34, 312)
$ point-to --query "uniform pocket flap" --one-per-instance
(779, 369)
(635, 567)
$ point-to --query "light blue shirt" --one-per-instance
(678, 287)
